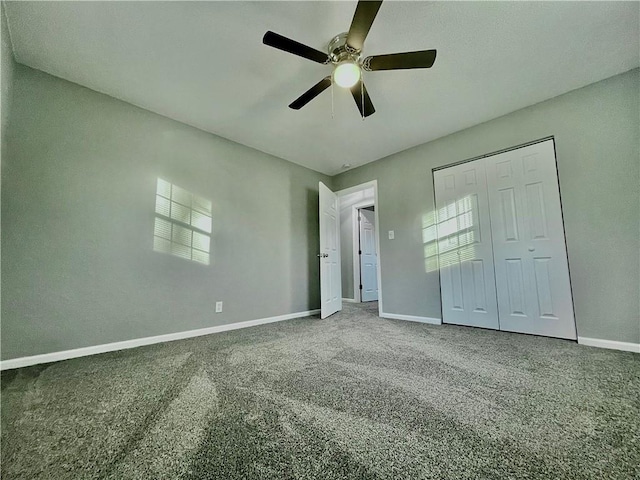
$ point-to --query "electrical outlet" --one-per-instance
(392, 234)
(218, 307)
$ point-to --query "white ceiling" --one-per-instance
(204, 64)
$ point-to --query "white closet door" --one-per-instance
(464, 246)
(368, 256)
(531, 268)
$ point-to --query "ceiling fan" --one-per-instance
(344, 53)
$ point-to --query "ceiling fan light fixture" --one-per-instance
(346, 74)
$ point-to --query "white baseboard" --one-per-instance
(349, 300)
(412, 318)
(139, 342)
(612, 344)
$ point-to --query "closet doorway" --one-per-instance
(501, 243)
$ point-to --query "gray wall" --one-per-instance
(346, 236)
(597, 133)
(6, 86)
(6, 78)
(78, 216)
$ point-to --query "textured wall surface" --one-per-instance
(79, 181)
(6, 74)
(78, 224)
(6, 86)
(596, 130)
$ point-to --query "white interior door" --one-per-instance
(531, 267)
(368, 256)
(464, 245)
(330, 279)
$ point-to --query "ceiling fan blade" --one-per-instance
(357, 91)
(310, 94)
(283, 43)
(362, 19)
(400, 61)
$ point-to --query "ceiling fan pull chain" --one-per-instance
(332, 98)
(362, 94)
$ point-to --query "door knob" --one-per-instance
(323, 255)
(532, 249)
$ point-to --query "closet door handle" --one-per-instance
(532, 249)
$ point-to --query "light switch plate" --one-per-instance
(392, 234)
(218, 307)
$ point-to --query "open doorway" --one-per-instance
(367, 254)
(359, 239)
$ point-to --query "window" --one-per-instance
(183, 223)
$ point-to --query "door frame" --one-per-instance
(368, 203)
(497, 152)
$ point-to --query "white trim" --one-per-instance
(357, 188)
(376, 205)
(138, 342)
(350, 300)
(377, 236)
(412, 318)
(355, 255)
(612, 344)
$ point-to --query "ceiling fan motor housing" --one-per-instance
(339, 51)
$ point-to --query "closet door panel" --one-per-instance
(531, 267)
(464, 246)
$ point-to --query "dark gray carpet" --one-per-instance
(352, 396)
